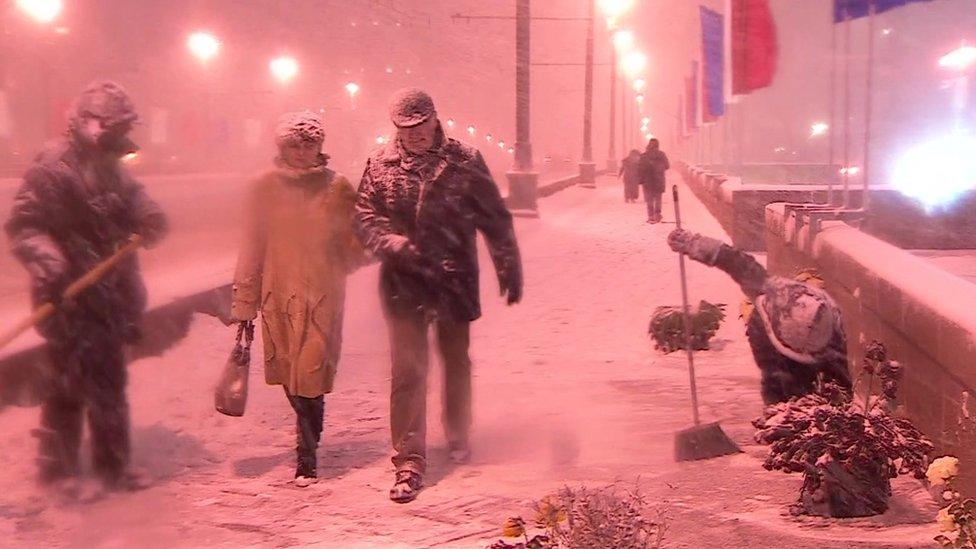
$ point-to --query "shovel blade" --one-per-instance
(703, 442)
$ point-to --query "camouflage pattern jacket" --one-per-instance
(437, 201)
(73, 210)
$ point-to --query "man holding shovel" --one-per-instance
(75, 209)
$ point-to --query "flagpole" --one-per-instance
(868, 106)
(833, 111)
(847, 109)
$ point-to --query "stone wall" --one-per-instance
(925, 316)
(892, 217)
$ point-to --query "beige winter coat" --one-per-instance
(298, 249)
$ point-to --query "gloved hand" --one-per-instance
(697, 247)
(510, 283)
(48, 279)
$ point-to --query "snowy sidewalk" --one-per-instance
(568, 391)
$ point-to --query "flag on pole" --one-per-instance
(713, 64)
(845, 10)
(754, 46)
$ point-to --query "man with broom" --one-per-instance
(75, 210)
(795, 330)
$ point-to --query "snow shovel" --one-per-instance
(89, 279)
(699, 441)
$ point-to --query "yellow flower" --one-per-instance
(514, 527)
(745, 310)
(549, 512)
(947, 523)
(942, 469)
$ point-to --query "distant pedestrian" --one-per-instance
(795, 329)
(422, 200)
(300, 244)
(76, 207)
(630, 170)
(654, 164)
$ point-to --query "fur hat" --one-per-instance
(800, 319)
(299, 127)
(411, 107)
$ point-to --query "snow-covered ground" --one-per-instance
(568, 391)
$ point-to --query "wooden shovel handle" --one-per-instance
(74, 289)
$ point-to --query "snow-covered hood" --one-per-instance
(800, 319)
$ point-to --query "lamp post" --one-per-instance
(203, 45)
(284, 69)
(523, 181)
(587, 168)
(960, 61)
(352, 89)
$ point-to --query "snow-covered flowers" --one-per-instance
(946, 521)
(958, 517)
(942, 469)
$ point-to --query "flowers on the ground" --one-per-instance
(514, 527)
(942, 469)
(947, 523)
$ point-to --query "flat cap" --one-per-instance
(411, 107)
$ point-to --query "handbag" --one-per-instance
(230, 396)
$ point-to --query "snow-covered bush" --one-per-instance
(847, 451)
(667, 326)
(585, 518)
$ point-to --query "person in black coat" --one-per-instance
(76, 207)
(654, 163)
(422, 199)
(630, 170)
(795, 330)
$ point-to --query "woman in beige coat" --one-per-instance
(299, 246)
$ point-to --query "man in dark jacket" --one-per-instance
(795, 330)
(421, 200)
(76, 207)
(654, 163)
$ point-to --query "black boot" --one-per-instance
(310, 413)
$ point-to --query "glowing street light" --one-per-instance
(960, 59)
(937, 172)
(501, 144)
(634, 63)
(615, 8)
(203, 45)
(42, 11)
(352, 89)
(488, 137)
(450, 123)
(646, 120)
(640, 99)
(639, 85)
(851, 171)
(284, 68)
(623, 40)
(381, 140)
(818, 129)
(471, 130)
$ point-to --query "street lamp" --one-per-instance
(634, 63)
(203, 45)
(488, 137)
(42, 11)
(639, 85)
(471, 130)
(284, 69)
(450, 123)
(960, 59)
(818, 129)
(623, 40)
(352, 89)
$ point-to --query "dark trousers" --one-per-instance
(408, 395)
(310, 414)
(653, 200)
(89, 375)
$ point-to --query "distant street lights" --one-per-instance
(284, 69)
(352, 89)
(203, 45)
(42, 11)
(818, 129)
